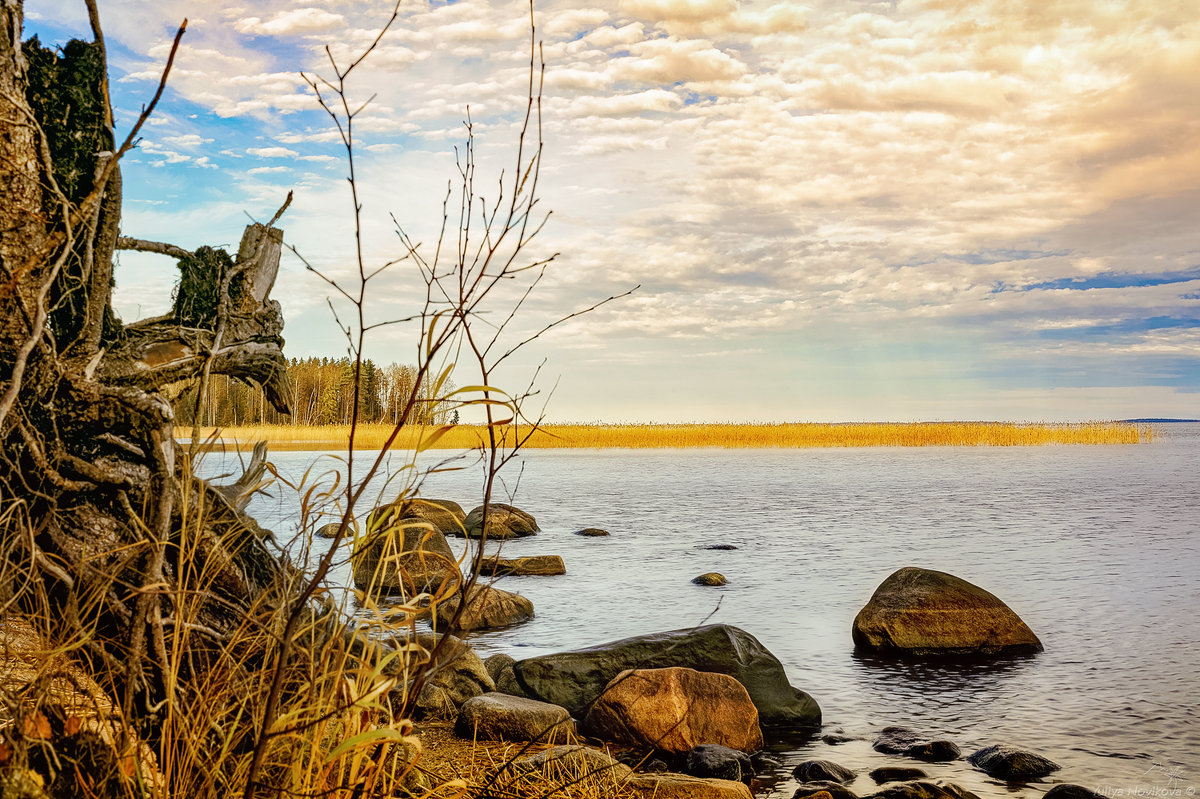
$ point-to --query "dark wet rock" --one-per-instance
(500, 717)
(487, 607)
(539, 565)
(503, 521)
(575, 679)
(591, 532)
(721, 547)
(922, 789)
(922, 612)
(640, 761)
(764, 762)
(710, 578)
(720, 762)
(897, 774)
(822, 771)
(1065, 790)
(1011, 763)
(834, 789)
(904, 741)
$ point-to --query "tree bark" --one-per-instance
(151, 572)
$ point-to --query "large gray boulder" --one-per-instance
(575, 679)
(924, 612)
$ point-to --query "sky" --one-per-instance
(831, 210)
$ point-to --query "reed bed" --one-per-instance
(731, 436)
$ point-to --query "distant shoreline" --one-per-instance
(729, 436)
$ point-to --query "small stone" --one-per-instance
(591, 532)
(822, 771)
(1065, 790)
(721, 547)
(329, 530)
(897, 774)
(903, 741)
(837, 738)
(834, 790)
(710, 578)
(720, 762)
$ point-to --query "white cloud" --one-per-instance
(272, 152)
(290, 23)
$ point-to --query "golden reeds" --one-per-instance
(732, 436)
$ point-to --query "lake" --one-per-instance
(1095, 547)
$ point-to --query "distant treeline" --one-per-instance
(323, 389)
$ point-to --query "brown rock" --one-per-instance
(544, 565)
(407, 557)
(710, 578)
(456, 676)
(676, 709)
(503, 521)
(487, 607)
(667, 785)
(445, 515)
(925, 612)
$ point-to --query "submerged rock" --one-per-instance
(926, 613)
(922, 789)
(834, 790)
(1011, 763)
(903, 741)
(896, 774)
(575, 679)
(542, 565)
(591, 532)
(710, 578)
(822, 771)
(1065, 790)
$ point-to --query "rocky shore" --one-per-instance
(698, 712)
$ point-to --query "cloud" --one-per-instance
(290, 23)
(272, 152)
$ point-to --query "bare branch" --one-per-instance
(143, 245)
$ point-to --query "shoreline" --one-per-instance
(801, 435)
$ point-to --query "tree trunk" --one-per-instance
(155, 574)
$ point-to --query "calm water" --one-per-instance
(1096, 548)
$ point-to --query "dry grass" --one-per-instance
(734, 436)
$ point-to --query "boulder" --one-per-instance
(666, 785)
(445, 515)
(497, 663)
(903, 741)
(822, 771)
(922, 612)
(675, 709)
(487, 607)
(500, 717)
(503, 521)
(710, 578)
(457, 675)
(1011, 763)
(896, 774)
(922, 789)
(544, 565)
(407, 557)
(591, 532)
(1065, 790)
(764, 761)
(720, 762)
(575, 679)
(833, 790)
